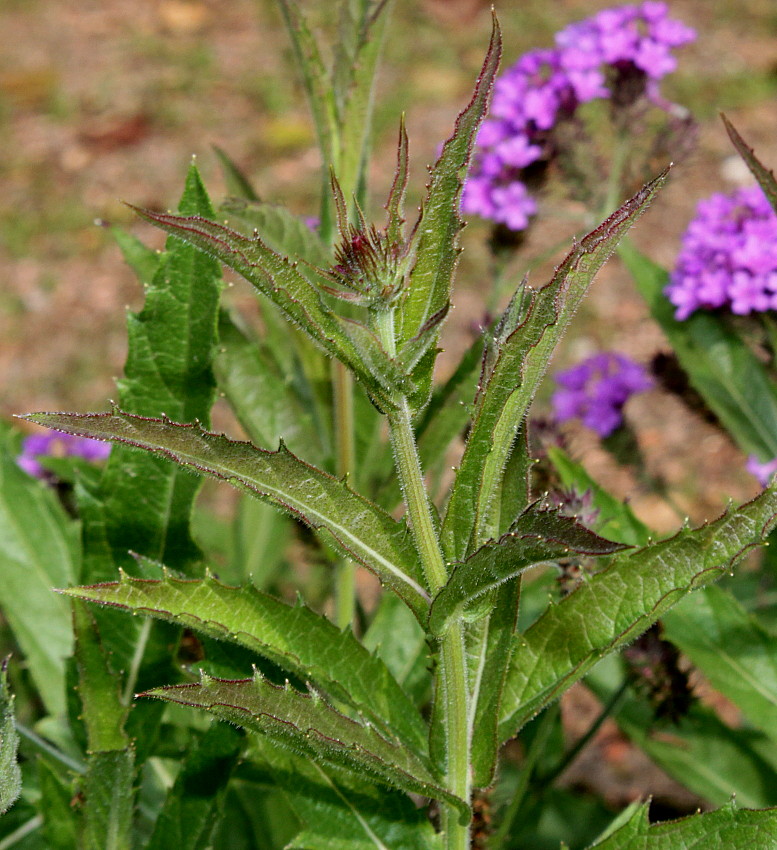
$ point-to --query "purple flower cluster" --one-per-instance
(764, 472)
(728, 256)
(596, 390)
(58, 445)
(592, 59)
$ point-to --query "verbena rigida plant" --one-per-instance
(221, 715)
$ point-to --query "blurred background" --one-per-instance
(102, 102)
(107, 100)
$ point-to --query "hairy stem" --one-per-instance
(452, 671)
(345, 576)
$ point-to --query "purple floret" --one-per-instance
(58, 445)
(762, 471)
(596, 390)
(545, 87)
(728, 257)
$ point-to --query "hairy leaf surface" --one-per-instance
(310, 727)
(10, 774)
(537, 535)
(436, 234)
(362, 530)
(275, 276)
(728, 828)
(763, 175)
(295, 637)
(513, 365)
(619, 603)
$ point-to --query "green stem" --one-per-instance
(452, 671)
(345, 576)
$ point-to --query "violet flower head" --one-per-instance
(728, 257)
(596, 390)
(58, 445)
(764, 472)
(626, 49)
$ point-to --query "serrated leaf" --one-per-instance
(719, 364)
(728, 828)
(395, 205)
(513, 367)
(108, 800)
(283, 231)
(614, 518)
(340, 815)
(310, 727)
(619, 603)
(763, 175)
(38, 549)
(435, 241)
(733, 651)
(10, 774)
(276, 277)
(360, 529)
(537, 535)
(294, 637)
(192, 808)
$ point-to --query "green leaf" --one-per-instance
(619, 603)
(266, 402)
(396, 636)
(60, 824)
(108, 800)
(310, 727)
(193, 806)
(538, 534)
(238, 185)
(260, 535)
(728, 828)
(718, 363)
(103, 713)
(315, 76)
(356, 61)
(275, 276)
(699, 750)
(144, 261)
(340, 815)
(513, 366)
(294, 637)
(38, 550)
(614, 520)
(763, 175)
(279, 228)
(10, 774)
(360, 529)
(733, 651)
(436, 238)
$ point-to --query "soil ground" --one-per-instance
(107, 100)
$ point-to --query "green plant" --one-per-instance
(338, 722)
